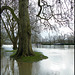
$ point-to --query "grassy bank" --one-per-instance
(37, 57)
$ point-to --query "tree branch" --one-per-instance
(7, 31)
(11, 10)
(40, 7)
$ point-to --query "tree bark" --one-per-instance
(25, 47)
(15, 45)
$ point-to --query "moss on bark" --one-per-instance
(25, 47)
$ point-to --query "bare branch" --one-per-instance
(7, 30)
(11, 10)
(40, 7)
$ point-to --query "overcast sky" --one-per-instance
(63, 30)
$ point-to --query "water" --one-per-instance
(60, 61)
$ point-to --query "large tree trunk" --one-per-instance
(25, 47)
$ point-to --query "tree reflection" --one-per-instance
(8, 66)
(60, 62)
(25, 68)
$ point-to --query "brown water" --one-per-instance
(60, 62)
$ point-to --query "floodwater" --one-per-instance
(60, 61)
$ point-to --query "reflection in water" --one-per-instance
(60, 62)
(25, 68)
(9, 66)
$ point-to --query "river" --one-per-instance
(60, 61)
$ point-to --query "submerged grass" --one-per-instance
(37, 57)
(10, 51)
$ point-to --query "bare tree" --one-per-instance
(56, 13)
(10, 23)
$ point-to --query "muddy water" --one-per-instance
(60, 61)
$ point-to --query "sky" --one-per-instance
(62, 30)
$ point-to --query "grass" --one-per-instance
(10, 51)
(37, 57)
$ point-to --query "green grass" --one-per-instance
(37, 57)
(10, 51)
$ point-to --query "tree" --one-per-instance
(24, 29)
(9, 23)
(10, 29)
(25, 47)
